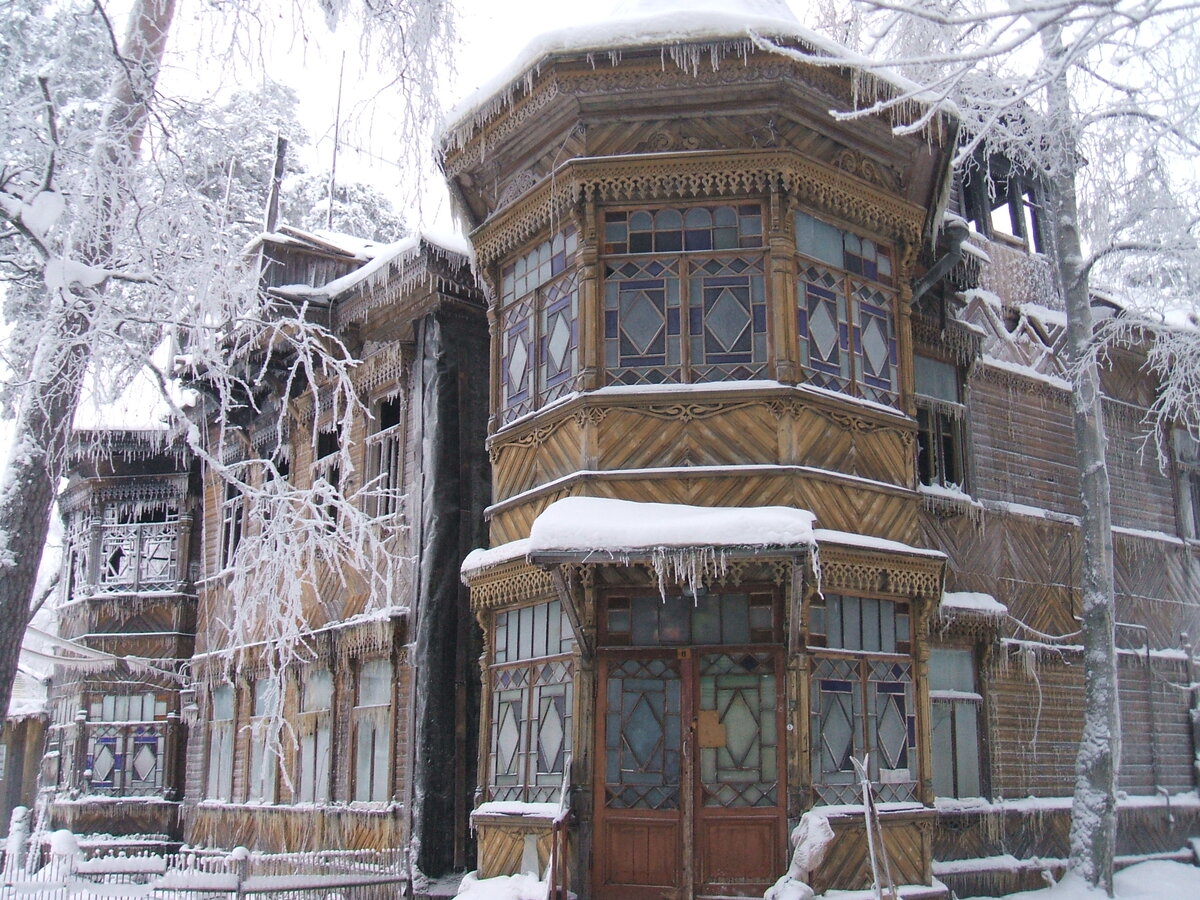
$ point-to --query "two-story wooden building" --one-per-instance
(705, 334)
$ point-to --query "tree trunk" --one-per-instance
(47, 405)
(1093, 811)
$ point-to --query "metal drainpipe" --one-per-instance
(956, 233)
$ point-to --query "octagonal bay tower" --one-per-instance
(699, 287)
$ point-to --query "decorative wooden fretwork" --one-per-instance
(952, 339)
(509, 583)
(714, 174)
(881, 573)
(384, 367)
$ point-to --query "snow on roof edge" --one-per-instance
(713, 33)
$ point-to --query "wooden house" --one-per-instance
(376, 689)
(703, 301)
(114, 748)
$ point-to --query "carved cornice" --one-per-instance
(653, 177)
(878, 572)
(510, 583)
(1027, 384)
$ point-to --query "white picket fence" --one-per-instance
(322, 875)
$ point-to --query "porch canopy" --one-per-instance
(681, 542)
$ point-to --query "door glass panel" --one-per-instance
(738, 747)
(642, 735)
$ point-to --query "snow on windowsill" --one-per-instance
(517, 808)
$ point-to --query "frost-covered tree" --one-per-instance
(358, 209)
(113, 237)
(1097, 100)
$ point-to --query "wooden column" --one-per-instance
(782, 339)
(591, 303)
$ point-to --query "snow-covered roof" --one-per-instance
(384, 260)
(690, 31)
(28, 696)
(604, 526)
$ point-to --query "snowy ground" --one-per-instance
(1155, 880)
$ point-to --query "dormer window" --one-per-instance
(1004, 203)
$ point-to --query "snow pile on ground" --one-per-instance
(1154, 880)
(502, 887)
(811, 839)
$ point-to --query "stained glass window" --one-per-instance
(650, 620)
(673, 230)
(538, 327)
(845, 309)
(862, 703)
(695, 310)
(642, 734)
(532, 679)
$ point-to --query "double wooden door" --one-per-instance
(689, 792)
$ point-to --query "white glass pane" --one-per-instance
(935, 378)
(375, 683)
(951, 670)
(364, 757)
(966, 737)
(943, 750)
(321, 789)
(318, 690)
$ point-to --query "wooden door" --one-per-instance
(689, 792)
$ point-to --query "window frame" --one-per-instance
(1187, 482)
(386, 461)
(315, 747)
(872, 678)
(847, 290)
(233, 524)
(262, 766)
(538, 284)
(221, 731)
(520, 689)
(687, 357)
(954, 699)
(378, 717)
(940, 422)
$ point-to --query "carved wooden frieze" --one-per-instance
(645, 178)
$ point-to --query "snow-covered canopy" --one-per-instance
(714, 28)
(971, 603)
(599, 529)
(596, 524)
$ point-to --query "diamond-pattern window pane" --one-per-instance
(728, 318)
(875, 346)
(641, 319)
(823, 330)
(144, 762)
(103, 763)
